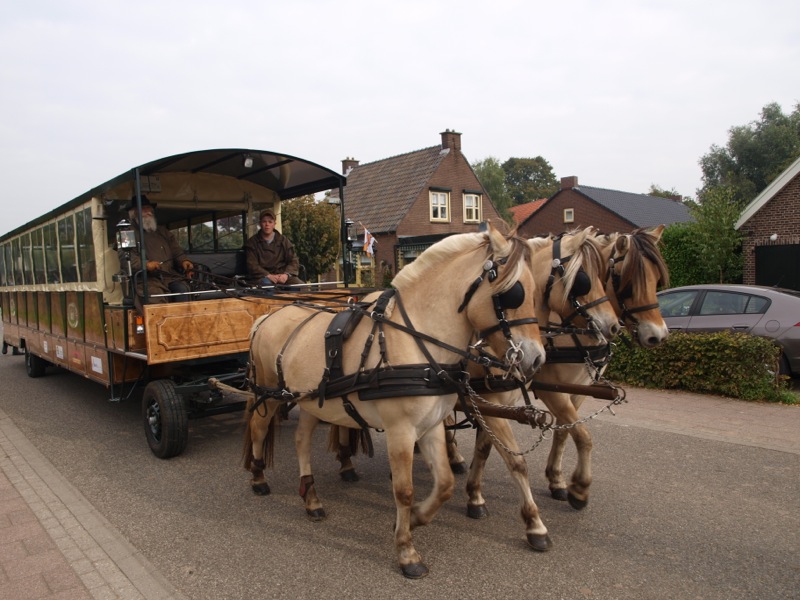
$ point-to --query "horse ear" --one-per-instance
(656, 232)
(622, 244)
(497, 240)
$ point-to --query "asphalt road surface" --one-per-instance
(670, 515)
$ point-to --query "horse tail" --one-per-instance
(357, 440)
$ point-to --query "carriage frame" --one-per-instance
(67, 296)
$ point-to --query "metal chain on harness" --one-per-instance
(545, 420)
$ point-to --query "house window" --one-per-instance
(440, 206)
(569, 215)
(472, 208)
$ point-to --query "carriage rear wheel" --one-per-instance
(34, 365)
(166, 421)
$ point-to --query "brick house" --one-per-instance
(578, 206)
(771, 226)
(410, 201)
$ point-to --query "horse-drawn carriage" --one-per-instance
(68, 298)
(399, 360)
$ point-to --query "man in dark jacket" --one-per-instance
(164, 257)
(271, 259)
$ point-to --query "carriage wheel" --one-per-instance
(34, 365)
(166, 422)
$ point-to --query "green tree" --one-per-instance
(313, 228)
(493, 179)
(671, 194)
(754, 155)
(529, 179)
(718, 243)
(708, 249)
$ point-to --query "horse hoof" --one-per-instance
(576, 502)
(539, 542)
(350, 476)
(414, 570)
(317, 514)
(477, 511)
(458, 468)
(559, 494)
(260, 489)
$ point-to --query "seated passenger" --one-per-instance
(271, 259)
(164, 257)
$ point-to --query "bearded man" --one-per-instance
(164, 257)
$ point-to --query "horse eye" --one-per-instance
(514, 297)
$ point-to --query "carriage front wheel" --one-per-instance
(166, 421)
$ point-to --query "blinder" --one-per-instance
(513, 297)
(582, 284)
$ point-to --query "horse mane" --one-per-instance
(643, 246)
(516, 255)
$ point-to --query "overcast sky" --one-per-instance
(621, 94)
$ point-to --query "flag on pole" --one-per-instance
(369, 242)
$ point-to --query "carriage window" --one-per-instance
(181, 235)
(3, 276)
(440, 206)
(86, 259)
(201, 237)
(66, 245)
(472, 208)
(230, 232)
(38, 256)
(51, 253)
(27, 261)
(16, 257)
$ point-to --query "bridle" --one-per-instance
(581, 286)
(510, 299)
(627, 314)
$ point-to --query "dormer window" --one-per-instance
(440, 206)
(472, 207)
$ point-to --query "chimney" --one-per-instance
(567, 183)
(348, 164)
(451, 139)
(676, 198)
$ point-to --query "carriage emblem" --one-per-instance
(72, 315)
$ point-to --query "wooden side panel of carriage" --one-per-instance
(191, 330)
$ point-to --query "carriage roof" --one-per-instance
(284, 175)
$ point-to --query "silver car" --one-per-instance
(758, 310)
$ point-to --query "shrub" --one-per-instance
(731, 364)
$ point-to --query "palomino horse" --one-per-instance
(635, 271)
(569, 274)
(462, 284)
(577, 297)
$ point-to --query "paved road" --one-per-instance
(684, 505)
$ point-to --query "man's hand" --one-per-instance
(187, 265)
(278, 278)
(153, 265)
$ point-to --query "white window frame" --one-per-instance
(439, 206)
(569, 215)
(476, 208)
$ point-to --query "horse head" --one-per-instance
(569, 273)
(636, 269)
